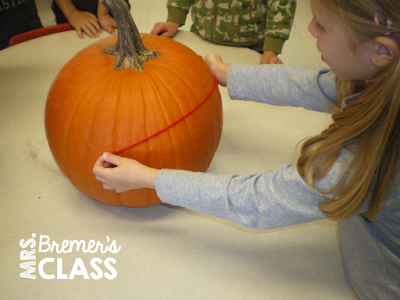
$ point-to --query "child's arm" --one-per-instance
(122, 174)
(262, 200)
(313, 89)
(177, 11)
(270, 57)
(279, 20)
(82, 21)
(106, 21)
(218, 67)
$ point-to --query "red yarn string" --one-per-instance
(174, 123)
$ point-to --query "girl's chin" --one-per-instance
(322, 58)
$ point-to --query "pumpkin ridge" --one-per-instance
(145, 125)
(203, 112)
(71, 65)
(117, 104)
(218, 106)
(96, 107)
(69, 174)
(218, 120)
(167, 65)
(193, 78)
(186, 116)
(105, 82)
(50, 118)
(200, 84)
(212, 103)
(153, 83)
(82, 106)
(158, 90)
(124, 198)
(167, 122)
(123, 83)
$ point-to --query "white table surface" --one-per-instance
(166, 252)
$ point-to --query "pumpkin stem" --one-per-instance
(129, 51)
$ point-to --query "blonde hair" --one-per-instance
(369, 126)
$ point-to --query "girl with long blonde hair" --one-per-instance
(348, 173)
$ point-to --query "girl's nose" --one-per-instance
(312, 28)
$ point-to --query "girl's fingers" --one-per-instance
(112, 159)
(107, 186)
(100, 178)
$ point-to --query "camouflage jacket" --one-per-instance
(258, 24)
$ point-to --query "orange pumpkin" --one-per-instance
(93, 107)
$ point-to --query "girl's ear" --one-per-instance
(386, 50)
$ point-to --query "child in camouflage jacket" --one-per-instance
(262, 25)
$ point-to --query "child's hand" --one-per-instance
(84, 21)
(270, 57)
(167, 29)
(218, 67)
(107, 23)
(122, 174)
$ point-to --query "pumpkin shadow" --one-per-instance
(133, 214)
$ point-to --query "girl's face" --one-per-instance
(334, 44)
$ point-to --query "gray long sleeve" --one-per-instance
(261, 200)
(282, 85)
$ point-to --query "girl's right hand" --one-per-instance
(218, 67)
(122, 174)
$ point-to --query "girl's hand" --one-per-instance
(122, 174)
(167, 29)
(84, 21)
(218, 67)
(270, 57)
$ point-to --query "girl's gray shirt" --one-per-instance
(266, 200)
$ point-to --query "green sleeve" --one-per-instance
(177, 15)
(272, 43)
(280, 17)
(178, 10)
